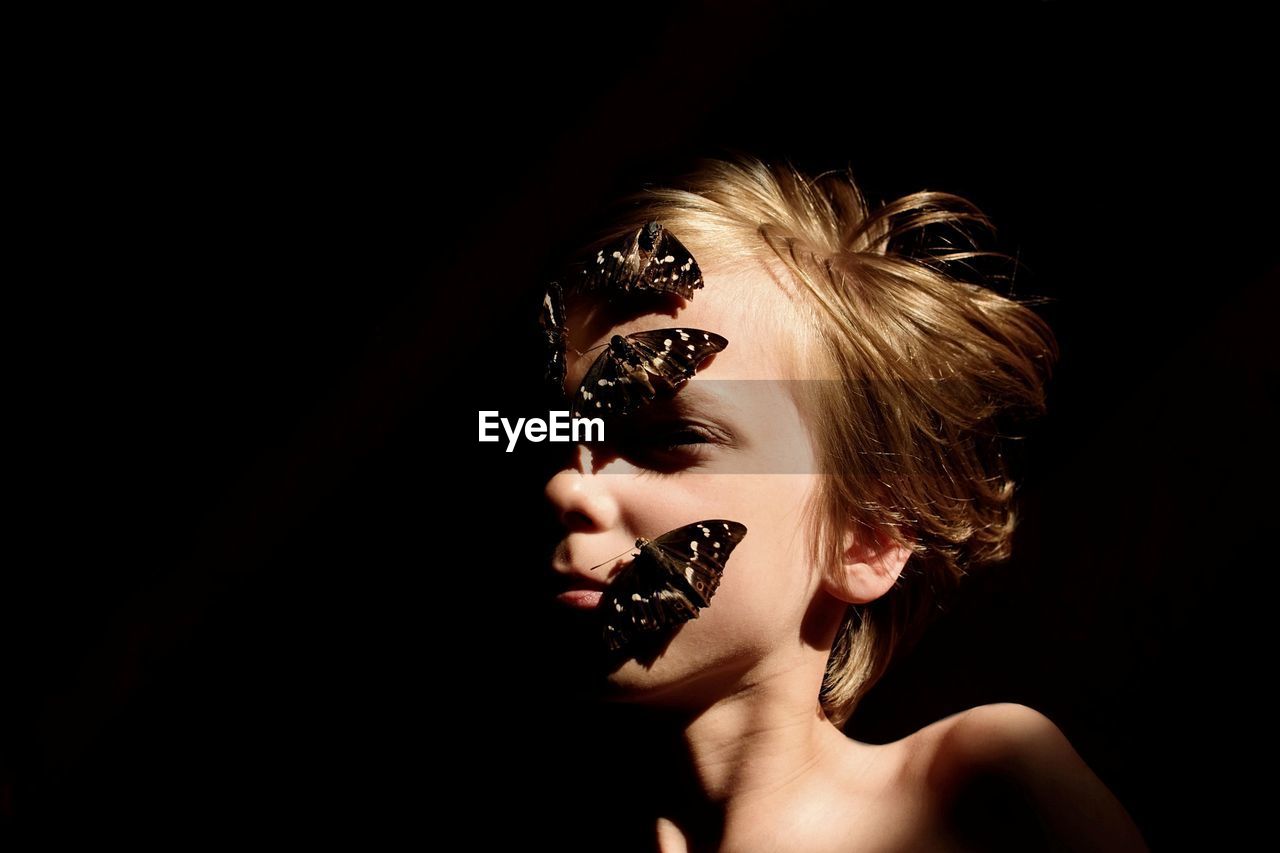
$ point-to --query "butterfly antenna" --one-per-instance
(591, 349)
(612, 559)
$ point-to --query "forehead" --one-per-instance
(746, 307)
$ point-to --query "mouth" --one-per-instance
(580, 598)
(576, 588)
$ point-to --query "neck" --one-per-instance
(748, 745)
(758, 757)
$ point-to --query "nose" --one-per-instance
(583, 502)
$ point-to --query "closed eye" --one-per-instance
(681, 438)
(668, 447)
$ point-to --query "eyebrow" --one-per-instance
(694, 398)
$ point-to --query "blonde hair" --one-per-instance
(929, 368)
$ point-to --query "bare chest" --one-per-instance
(876, 825)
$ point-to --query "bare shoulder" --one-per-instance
(1006, 776)
(1004, 736)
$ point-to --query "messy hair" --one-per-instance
(931, 364)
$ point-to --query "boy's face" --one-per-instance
(730, 444)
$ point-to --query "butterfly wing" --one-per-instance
(553, 330)
(651, 258)
(642, 600)
(611, 387)
(697, 554)
(674, 355)
(631, 370)
(673, 578)
(671, 267)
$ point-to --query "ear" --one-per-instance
(870, 565)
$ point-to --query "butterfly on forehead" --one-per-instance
(648, 259)
(670, 579)
(634, 369)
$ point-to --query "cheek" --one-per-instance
(767, 579)
(771, 585)
(759, 608)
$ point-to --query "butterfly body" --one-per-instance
(634, 369)
(650, 259)
(555, 336)
(670, 580)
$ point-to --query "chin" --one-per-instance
(680, 679)
(632, 685)
(642, 674)
(634, 678)
(680, 670)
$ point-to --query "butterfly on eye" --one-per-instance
(554, 335)
(632, 370)
(670, 580)
(649, 259)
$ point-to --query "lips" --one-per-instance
(577, 588)
(580, 599)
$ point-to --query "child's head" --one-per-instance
(861, 456)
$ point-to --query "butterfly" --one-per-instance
(554, 334)
(633, 369)
(650, 259)
(669, 581)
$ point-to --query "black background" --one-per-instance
(274, 584)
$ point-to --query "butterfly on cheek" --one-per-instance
(635, 369)
(669, 581)
(649, 259)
